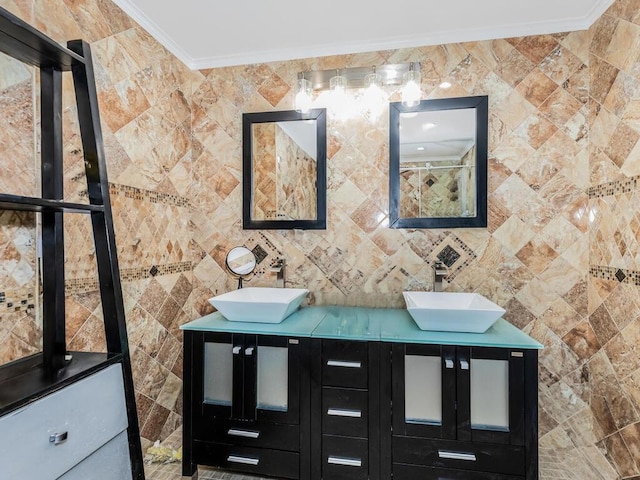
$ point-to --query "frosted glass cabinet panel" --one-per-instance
(218, 373)
(273, 378)
(250, 377)
(489, 393)
(423, 389)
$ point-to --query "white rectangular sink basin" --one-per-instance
(259, 304)
(452, 311)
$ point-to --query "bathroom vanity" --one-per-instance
(355, 393)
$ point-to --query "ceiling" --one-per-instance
(205, 34)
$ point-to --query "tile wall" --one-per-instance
(613, 360)
(174, 145)
(146, 123)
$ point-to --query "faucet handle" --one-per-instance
(277, 264)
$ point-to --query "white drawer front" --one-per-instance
(109, 462)
(91, 412)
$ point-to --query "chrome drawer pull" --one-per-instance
(448, 363)
(341, 363)
(236, 349)
(464, 365)
(243, 433)
(341, 412)
(347, 462)
(469, 457)
(58, 438)
(243, 460)
(249, 351)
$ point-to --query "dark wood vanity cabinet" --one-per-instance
(377, 402)
(458, 410)
(243, 403)
(345, 406)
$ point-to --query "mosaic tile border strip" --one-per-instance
(136, 193)
(614, 188)
(16, 300)
(148, 195)
(83, 285)
(614, 274)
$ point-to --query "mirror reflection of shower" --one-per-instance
(437, 163)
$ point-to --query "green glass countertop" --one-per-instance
(367, 324)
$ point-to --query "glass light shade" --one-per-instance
(303, 100)
(373, 98)
(342, 105)
(411, 89)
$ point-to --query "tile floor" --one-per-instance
(173, 471)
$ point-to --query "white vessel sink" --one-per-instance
(259, 304)
(452, 311)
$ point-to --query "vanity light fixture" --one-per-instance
(370, 85)
(411, 92)
(304, 100)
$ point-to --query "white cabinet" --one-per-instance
(50, 436)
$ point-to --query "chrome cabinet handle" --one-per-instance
(341, 363)
(341, 412)
(236, 349)
(243, 460)
(464, 365)
(58, 438)
(448, 363)
(243, 433)
(469, 457)
(249, 351)
(346, 461)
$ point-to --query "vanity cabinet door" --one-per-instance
(251, 377)
(424, 390)
(218, 363)
(460, 393)
(277, 379)
(491, 392)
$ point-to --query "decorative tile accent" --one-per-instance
(614, 188)
(448, 256)
(613, 274)
(260, 254)
(148, 195)
(17, 301)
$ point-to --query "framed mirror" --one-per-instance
(284, 172)
(438, 163)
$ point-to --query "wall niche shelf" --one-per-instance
(74, 411)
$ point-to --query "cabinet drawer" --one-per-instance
(345, 458)
(250, 434)
(344, 364)
(259, 461)
(90, 412)
(345, 412)
(109, 462)
(412, 472)
(506, 459)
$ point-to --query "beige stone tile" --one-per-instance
(514, 234)
(623, 50)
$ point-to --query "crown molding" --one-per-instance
(391, 43)
(155, 31)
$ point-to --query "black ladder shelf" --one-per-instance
(30, 378)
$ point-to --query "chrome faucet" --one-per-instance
(278, 267)
(439, 272)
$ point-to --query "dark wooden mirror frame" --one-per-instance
(248, 120)
(481, 105)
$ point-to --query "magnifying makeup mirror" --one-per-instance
(241, 262)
